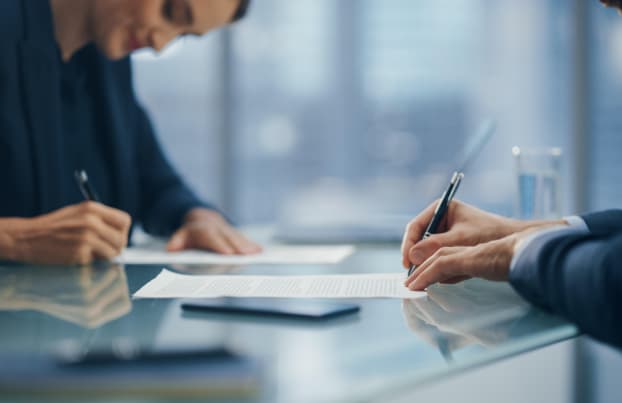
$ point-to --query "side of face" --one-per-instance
(119, 27)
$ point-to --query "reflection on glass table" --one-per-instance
(88, 296)
(198, 270)
(58, 361)
(473, 312)
(372, 358)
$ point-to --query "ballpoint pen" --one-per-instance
(82, 179)
(441, 209)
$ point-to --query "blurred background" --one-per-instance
(311, 109)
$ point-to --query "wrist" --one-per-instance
(9, 238)
(511, 226)
(539, 224)
(201, 214)
(512, 245)
(523, 237)
(515, 226)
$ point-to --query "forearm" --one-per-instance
(497, 227)
(575, 276)
(521, 226)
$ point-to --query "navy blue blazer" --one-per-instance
(578, 276)
(145, 184)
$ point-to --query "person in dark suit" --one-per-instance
(571, 267)
(67, 103)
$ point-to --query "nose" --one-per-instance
(160, 39)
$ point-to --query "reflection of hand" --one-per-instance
(75, 234)
(207, 229)
(88, 296)
(472, 312)
(463, 225)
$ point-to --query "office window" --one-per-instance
(606, 102)
(360, 107)
(364, 105)
(181, 89)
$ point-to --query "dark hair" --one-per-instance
(241, 11)
(612, 3)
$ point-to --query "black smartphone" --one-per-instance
(272, 307)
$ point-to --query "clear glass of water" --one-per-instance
(538, 173)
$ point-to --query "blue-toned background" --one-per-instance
(325, 108)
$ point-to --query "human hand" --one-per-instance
(76, 234)
(463, 225)
(207, 229)
(489, 260)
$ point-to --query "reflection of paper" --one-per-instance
(172, 285)
(271, 255)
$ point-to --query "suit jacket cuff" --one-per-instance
(575, 225)
(525, 275)
(604, 222)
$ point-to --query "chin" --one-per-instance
(114, 52)
(113, 47)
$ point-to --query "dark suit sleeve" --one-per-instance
(577, 276)
(604, 222)
(164, 197)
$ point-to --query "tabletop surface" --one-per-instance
(388, 347)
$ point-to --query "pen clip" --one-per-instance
(456, 180)
(85, 187)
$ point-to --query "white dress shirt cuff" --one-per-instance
(577, 223)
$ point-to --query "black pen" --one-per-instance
(82, 179)
(441, 209)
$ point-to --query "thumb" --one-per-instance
(177, 241)
(425, 248)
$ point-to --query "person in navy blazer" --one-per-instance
(66, 102)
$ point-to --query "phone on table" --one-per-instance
(272, 307)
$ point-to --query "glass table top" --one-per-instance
(390, 345)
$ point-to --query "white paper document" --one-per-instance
(173, 285)
(271, 255)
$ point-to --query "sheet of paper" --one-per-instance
(173, 285)
(271, 255)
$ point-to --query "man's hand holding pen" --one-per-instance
(469, 243)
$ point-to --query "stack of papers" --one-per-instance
(173, 285)
(271, 255)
